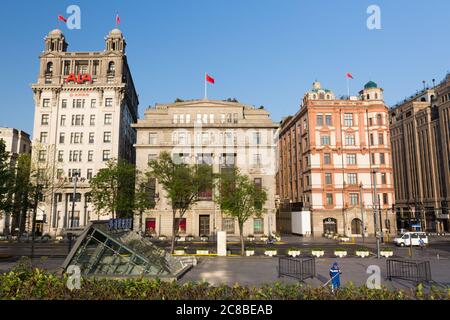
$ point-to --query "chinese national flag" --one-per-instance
(117, 19)
(349, 75)
(61, 18)
(209, 79)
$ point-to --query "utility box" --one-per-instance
(301, 223)
(221, 243)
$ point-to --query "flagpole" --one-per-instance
(348, 88)
(206, 88)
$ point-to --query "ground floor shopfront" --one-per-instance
(202, 223)
(426, 219)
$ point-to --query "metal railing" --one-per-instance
(410, 270)
(299, 269)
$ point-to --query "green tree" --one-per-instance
(144, 197)
(21, 200)
(239, 197)
(5, 177)
(113, 188)
(182, 183)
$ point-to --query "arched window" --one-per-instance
(356, 226)
(376, 95)
(314, 97)
(368, 96)
(379, 119)
(321, 96)
(49, 68)
(328, 97)
(423, 99)
(111, 67)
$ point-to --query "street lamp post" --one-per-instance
(69, 234)
(362, 210)
(33, 222)
(375, 212)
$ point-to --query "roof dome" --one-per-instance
(55, 33)
(115, 32)
(370, 85)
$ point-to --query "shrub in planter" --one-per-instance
(340, 252)
(362, 252)
(270, 252)
(189, 237)
(179, 251)
(202, 251)
(251, 237)
(317, 252)
(293, 252)
(263, 238)
(249, 252)
(162, 237)
(204, 238)
(386, 252)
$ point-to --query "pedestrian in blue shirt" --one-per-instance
(335, 274)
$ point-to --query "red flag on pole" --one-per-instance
(349, 75)
(61, 18)
(117, 19)
(209, 79)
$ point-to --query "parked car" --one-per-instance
(406, 238)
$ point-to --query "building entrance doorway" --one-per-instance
(356, 226)
(330, 225)
(203, 225)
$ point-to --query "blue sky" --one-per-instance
(263, 52)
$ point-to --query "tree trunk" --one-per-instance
(172, 245)
(140, 221)
(241, 235)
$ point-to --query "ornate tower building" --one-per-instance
(85, 104)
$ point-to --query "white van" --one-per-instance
(404, 239)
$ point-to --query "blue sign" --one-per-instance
(120, 224)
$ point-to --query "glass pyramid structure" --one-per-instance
(101, 250)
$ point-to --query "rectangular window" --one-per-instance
(371, 139)
(62, 136)
(42, 155)
(325, 140)
(43, 137)
(211, 118)
(385, 199)
(89, 174)
(91, 137)
(46, 103)
(327, 158)
(328, 121)
(354, 199)
(93, 103)
(92, 120)
(257, 138)
(152, 156)
(380, 138)
(108, 102)
(62, 122)
(319, 120)
(78, 103)
(181, 118)
(352, 178)
(108, 118)
(235, 118)
(348, 119)
(64, 104)
(106, 155)
(107, 136)
(372, 158)
(44, 119)
(188, 118)
(60, 156)
(382, 158)
(76, 137)
(258, 225)
(349, 139)
(383, 178)
(59, 174)
(229, 225)
(175, 118)
(152, 136)
(328, 179)
(90, 155)
(257, 159)
(77, 120)
(329, 199)
(351, 158)
(181, 223)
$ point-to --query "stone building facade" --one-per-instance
(420, 128)
(220, 133)
(17, 142)
(85, 104)
(330, 152)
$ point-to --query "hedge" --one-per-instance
(25, 283)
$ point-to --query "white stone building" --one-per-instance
(85, 103)
(220, 133)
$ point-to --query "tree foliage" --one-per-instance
(182, 184)
(239, 197)
(5, 176)
(113, 189)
